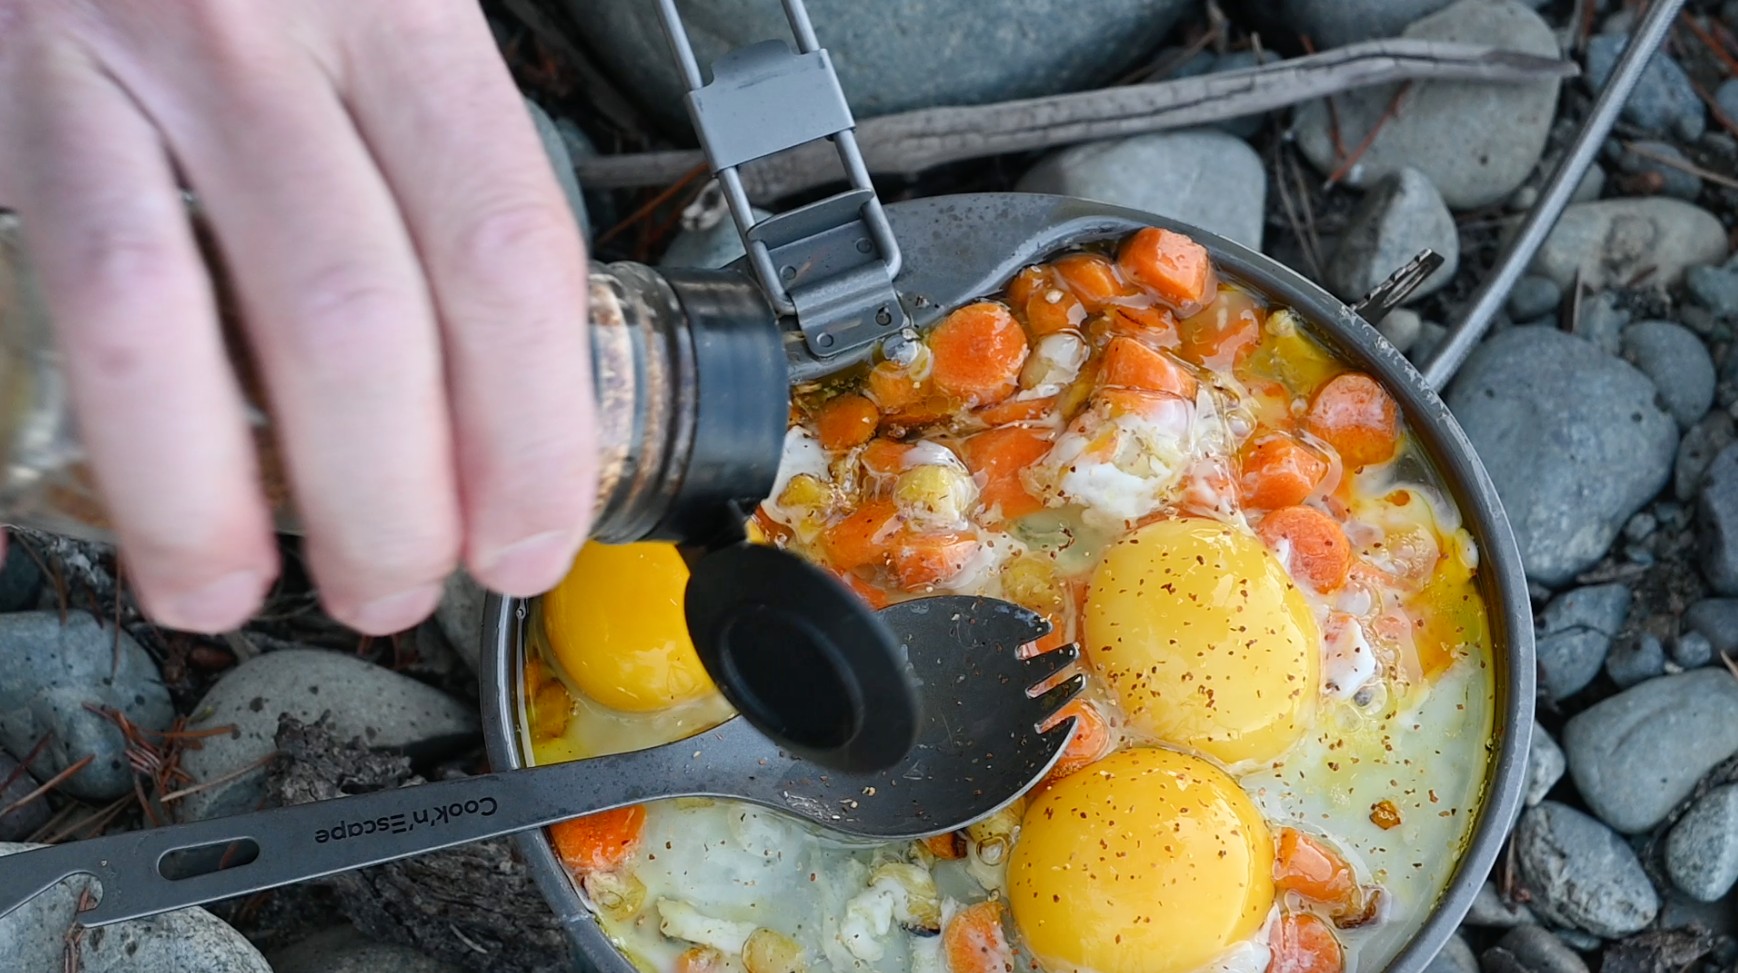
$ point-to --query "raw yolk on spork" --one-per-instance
(1149, 861)
(616, 628)
(1204, 639)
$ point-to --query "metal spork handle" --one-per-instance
(307, 841)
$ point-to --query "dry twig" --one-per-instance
(908, 143)
(50, 784)
(1680, 165)
(1388, 114)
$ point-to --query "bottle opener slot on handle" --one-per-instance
(830, 263)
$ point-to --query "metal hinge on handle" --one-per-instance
(830, 263)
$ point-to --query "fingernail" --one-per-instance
(221, 605)
(525, 568)
(395, 613)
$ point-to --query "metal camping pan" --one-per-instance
(957, 248)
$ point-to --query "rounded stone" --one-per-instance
(57, 680)
(375, 705)
(1615, 241)
(1532, 297)
(1572, 439)
(1635, 755)
(1536, 950)
(1582, 874)
(1476, 142)
(1678, 363)
(1400, 216)
(890, 55)
(33, 938)
(1203, 178)
(1575, 633)
(1702, 849)
(345, 950)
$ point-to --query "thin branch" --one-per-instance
(49, 784)
(911, 142)
(1388, 114)
(1681, 165)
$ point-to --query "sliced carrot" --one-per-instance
(1051, 310)
(846, 420)
(998, 456)
(1303, 864)
(1320, 552)
(1017, 410)
(1304, 943)
(1029, 282)
(1279, 471)
(947, 847)
(884, 457)
(599, 842)
(893, 388)
(1355, 415)
(1131, 364)
(1092, 278)
(1153, 325)
(1224, 332)
(1090, 741)
(929, 409)
(1173, 266)
(871, 595)
(932, 557)
(978, 353)
(973, 941)
(862, 538)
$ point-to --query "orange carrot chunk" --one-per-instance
(1029, 282)
(1310, 868)
(973, 941)
(1090, 741)
(1303, 943)
(862, 539)
(978, 353)
(599, 842)
(1017, 410)
(1092, 278)
(1279, 471)
(1153, 325)
(947, 847)
(1320, 553)
(998, 456)
(884, 457)
(1130, 364)
(846, 420)
(1053, 309)
(1173, 266)
(893, 388)
(930, 558)
(1223, 332)
(1355, 415)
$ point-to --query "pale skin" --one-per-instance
(411, 280)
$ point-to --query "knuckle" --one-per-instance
(514, 237)
(350, 314)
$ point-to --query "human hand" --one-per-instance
(411, 280)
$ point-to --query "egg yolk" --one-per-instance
(616, 629)
(1149, 861)
(1204, 639)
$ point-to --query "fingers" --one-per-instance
(162, 420)
(329, 285)
(504, 258)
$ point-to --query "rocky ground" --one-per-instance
(1604, 404)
